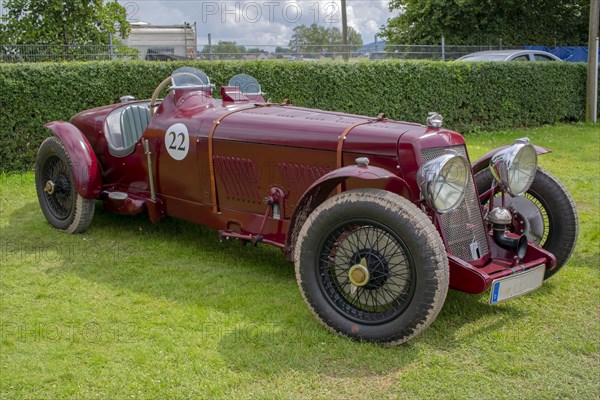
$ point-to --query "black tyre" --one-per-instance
(371, 266)
(62, 206)
(546, 214)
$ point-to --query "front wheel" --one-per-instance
(62, 206)
(371, 266)
(546, 214)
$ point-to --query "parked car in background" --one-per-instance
(510, 55)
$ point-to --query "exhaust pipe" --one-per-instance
(500, 218)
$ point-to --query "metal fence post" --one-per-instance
(443, 48)
(210, 49)
(111, 49)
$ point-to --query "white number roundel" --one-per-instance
(177, 141)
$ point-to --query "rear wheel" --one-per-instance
(62, 206)
(546, 214)
(371, 266)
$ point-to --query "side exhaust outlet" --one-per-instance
(500, 218)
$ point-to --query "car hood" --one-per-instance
(307, 128)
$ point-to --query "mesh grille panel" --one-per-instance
(463, 225)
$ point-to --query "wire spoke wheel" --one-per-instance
(533, 216)
(388, 271)
(533, 220)
(58, 191)
(371, 266)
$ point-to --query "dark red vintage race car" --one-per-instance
(380, 217)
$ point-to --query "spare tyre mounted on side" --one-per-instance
(546, 214)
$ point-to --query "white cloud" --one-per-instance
(259, 22)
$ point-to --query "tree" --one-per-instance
(280, 51)
(514, 22)
(337, 39)
(283, 50)
(317, 40)
(256, 50)
(225, 51)
(62, 22)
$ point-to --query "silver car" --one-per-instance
(510, 55)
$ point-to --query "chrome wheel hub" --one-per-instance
(50, 187)
(359, 274)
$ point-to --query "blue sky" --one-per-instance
(259, 22)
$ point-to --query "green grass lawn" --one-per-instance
(134, 310)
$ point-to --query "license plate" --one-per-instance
(516, 285)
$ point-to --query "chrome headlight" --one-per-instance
(443, 181)
(514, 168)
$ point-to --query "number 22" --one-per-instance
(174, 136)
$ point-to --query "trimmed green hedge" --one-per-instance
(471, 96)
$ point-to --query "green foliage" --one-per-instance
(225, 51)
(62, 22)
(316, 40)
(470, 96)
(480, 22)
(256, 50)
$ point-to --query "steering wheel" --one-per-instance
(157, 91)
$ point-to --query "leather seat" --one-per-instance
(134, 121)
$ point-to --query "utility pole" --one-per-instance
(591, 114)
(195, 40)
(345, 31)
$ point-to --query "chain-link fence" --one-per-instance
(43, 53)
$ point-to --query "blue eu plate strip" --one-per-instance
(495, 292)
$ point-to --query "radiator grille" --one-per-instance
(464, 225)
